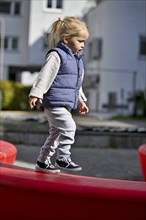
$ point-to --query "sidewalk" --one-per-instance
(105, 163)
(102, 163)
(81, 120)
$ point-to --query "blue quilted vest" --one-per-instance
(64, 91)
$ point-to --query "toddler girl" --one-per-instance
(58, 88)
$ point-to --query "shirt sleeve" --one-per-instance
(46, 76)
(82, 96)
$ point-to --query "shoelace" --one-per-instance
(70, 162)
(48, 161)
(49, 164)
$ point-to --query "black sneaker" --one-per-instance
(67, 165)
(43, 167)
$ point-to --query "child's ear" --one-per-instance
(65, 39)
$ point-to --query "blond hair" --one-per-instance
(69, 26)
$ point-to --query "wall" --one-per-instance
(119, 24)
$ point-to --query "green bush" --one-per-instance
(139, 101)
(14, 95)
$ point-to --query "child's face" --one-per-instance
(77, 43)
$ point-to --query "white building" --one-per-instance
(116, 54)
(23, 26)
(115, 61)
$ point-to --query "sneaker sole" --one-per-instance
(37, 168)
(69, 169)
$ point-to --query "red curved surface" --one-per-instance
(8, 152)
(25, 194)
(142, 155)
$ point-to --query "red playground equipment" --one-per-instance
(142, 155)
(26, 194)
(8, 152)
(32, 195)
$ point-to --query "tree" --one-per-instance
(139, 101)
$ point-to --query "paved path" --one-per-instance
(81, 120)
(103, 163)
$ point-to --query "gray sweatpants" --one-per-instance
(61, 134)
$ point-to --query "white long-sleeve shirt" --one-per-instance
(47, 75)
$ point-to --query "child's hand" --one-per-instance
(33, 101)
(83, 108)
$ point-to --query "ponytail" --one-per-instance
(55, 33)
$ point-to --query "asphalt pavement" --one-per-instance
(121, 164)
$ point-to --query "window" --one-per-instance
(17, 8)
(12, 76)
(11, 8)
(49, 3)
(45, 40)
(112, 99)
(59, 4)
(14, 43)
(6, 43)
(11, 43)
(95, 48)
(54, 4)
(142, 46)
(5, 7)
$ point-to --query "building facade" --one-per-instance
(116, 55)
(24, 28)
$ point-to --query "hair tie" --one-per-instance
(59, 19)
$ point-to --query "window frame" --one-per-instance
(142, 39)
(112, 98)
(13, 7)
(9, 44)
(54, 6)
(17, 6)
(95, 48)
(14, 43)
(45, 42)
(7, 4)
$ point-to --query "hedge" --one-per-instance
(14, 95)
